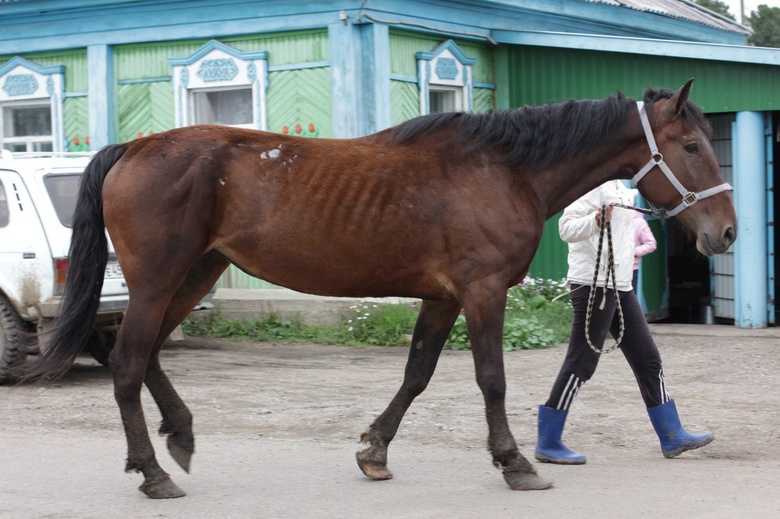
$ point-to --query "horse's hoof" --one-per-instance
(163, 489)
(375, 470)
(526, 481)
(180, 455)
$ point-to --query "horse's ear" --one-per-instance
(680, 97)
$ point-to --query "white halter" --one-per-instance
(656, 159)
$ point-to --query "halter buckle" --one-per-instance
(689, 198)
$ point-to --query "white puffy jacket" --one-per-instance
(578, 228)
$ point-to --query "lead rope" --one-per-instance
(610, 273)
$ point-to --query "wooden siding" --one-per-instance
(75, 62)
(484, 100)
(405, 45)
(287, 48)
(143, 108)
(301, 96)
(150, 60)
(75, 122)
(404, 101)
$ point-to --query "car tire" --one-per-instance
(15, 337)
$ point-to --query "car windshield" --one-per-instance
(63, 191)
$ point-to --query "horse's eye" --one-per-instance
(692, 148)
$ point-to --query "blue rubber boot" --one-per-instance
(674, 439)
(549, 447)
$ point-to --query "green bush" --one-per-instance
(532, 320)
(272, 328)
(379, 324)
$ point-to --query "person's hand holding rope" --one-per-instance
(604, 214)
(608, 217)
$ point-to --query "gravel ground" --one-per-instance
(277, 427)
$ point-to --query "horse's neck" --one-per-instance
(563, 183)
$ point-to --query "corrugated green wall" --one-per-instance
(550, 259)
(539, 75)
(654, 271)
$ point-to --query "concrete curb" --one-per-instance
(251, 304)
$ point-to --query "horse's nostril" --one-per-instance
(729, 236)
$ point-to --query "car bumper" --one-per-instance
(109, 305)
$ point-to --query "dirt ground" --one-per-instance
(277, 426)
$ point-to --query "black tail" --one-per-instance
(87, 260)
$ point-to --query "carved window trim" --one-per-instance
(445, 68)
(24, 83)
(216, 67)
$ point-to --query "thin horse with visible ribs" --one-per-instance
(448, 208)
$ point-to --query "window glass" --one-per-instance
(27, 128)
(3, 207)
(228, 107)
(443, 101)
(63, 191)
(21, 121)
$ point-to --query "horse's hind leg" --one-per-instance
(151, 316)
(129, 360)
(433, 325)
(176, 418)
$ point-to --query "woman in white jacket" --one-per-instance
(579, 227)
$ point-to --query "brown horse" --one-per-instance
(448, 208)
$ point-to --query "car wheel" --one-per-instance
(14, 340)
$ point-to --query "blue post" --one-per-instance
(100, 63)
(345, 74)
(375, 79)
(360, 78)
(750, 263)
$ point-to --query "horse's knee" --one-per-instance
(416, 386)
(493, 388)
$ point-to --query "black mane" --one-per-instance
(691, 112)
(537, 136)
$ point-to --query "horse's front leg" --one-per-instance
(484, 310)
(433, 325)
(129, 360)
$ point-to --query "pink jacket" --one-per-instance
(644, 241)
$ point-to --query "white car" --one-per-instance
(37, 198)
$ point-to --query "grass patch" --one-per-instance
(532, 320)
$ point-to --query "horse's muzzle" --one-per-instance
(710, 245)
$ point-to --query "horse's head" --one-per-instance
(683, 175)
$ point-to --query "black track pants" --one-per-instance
(637, 346)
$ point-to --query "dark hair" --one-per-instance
(537, 136)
